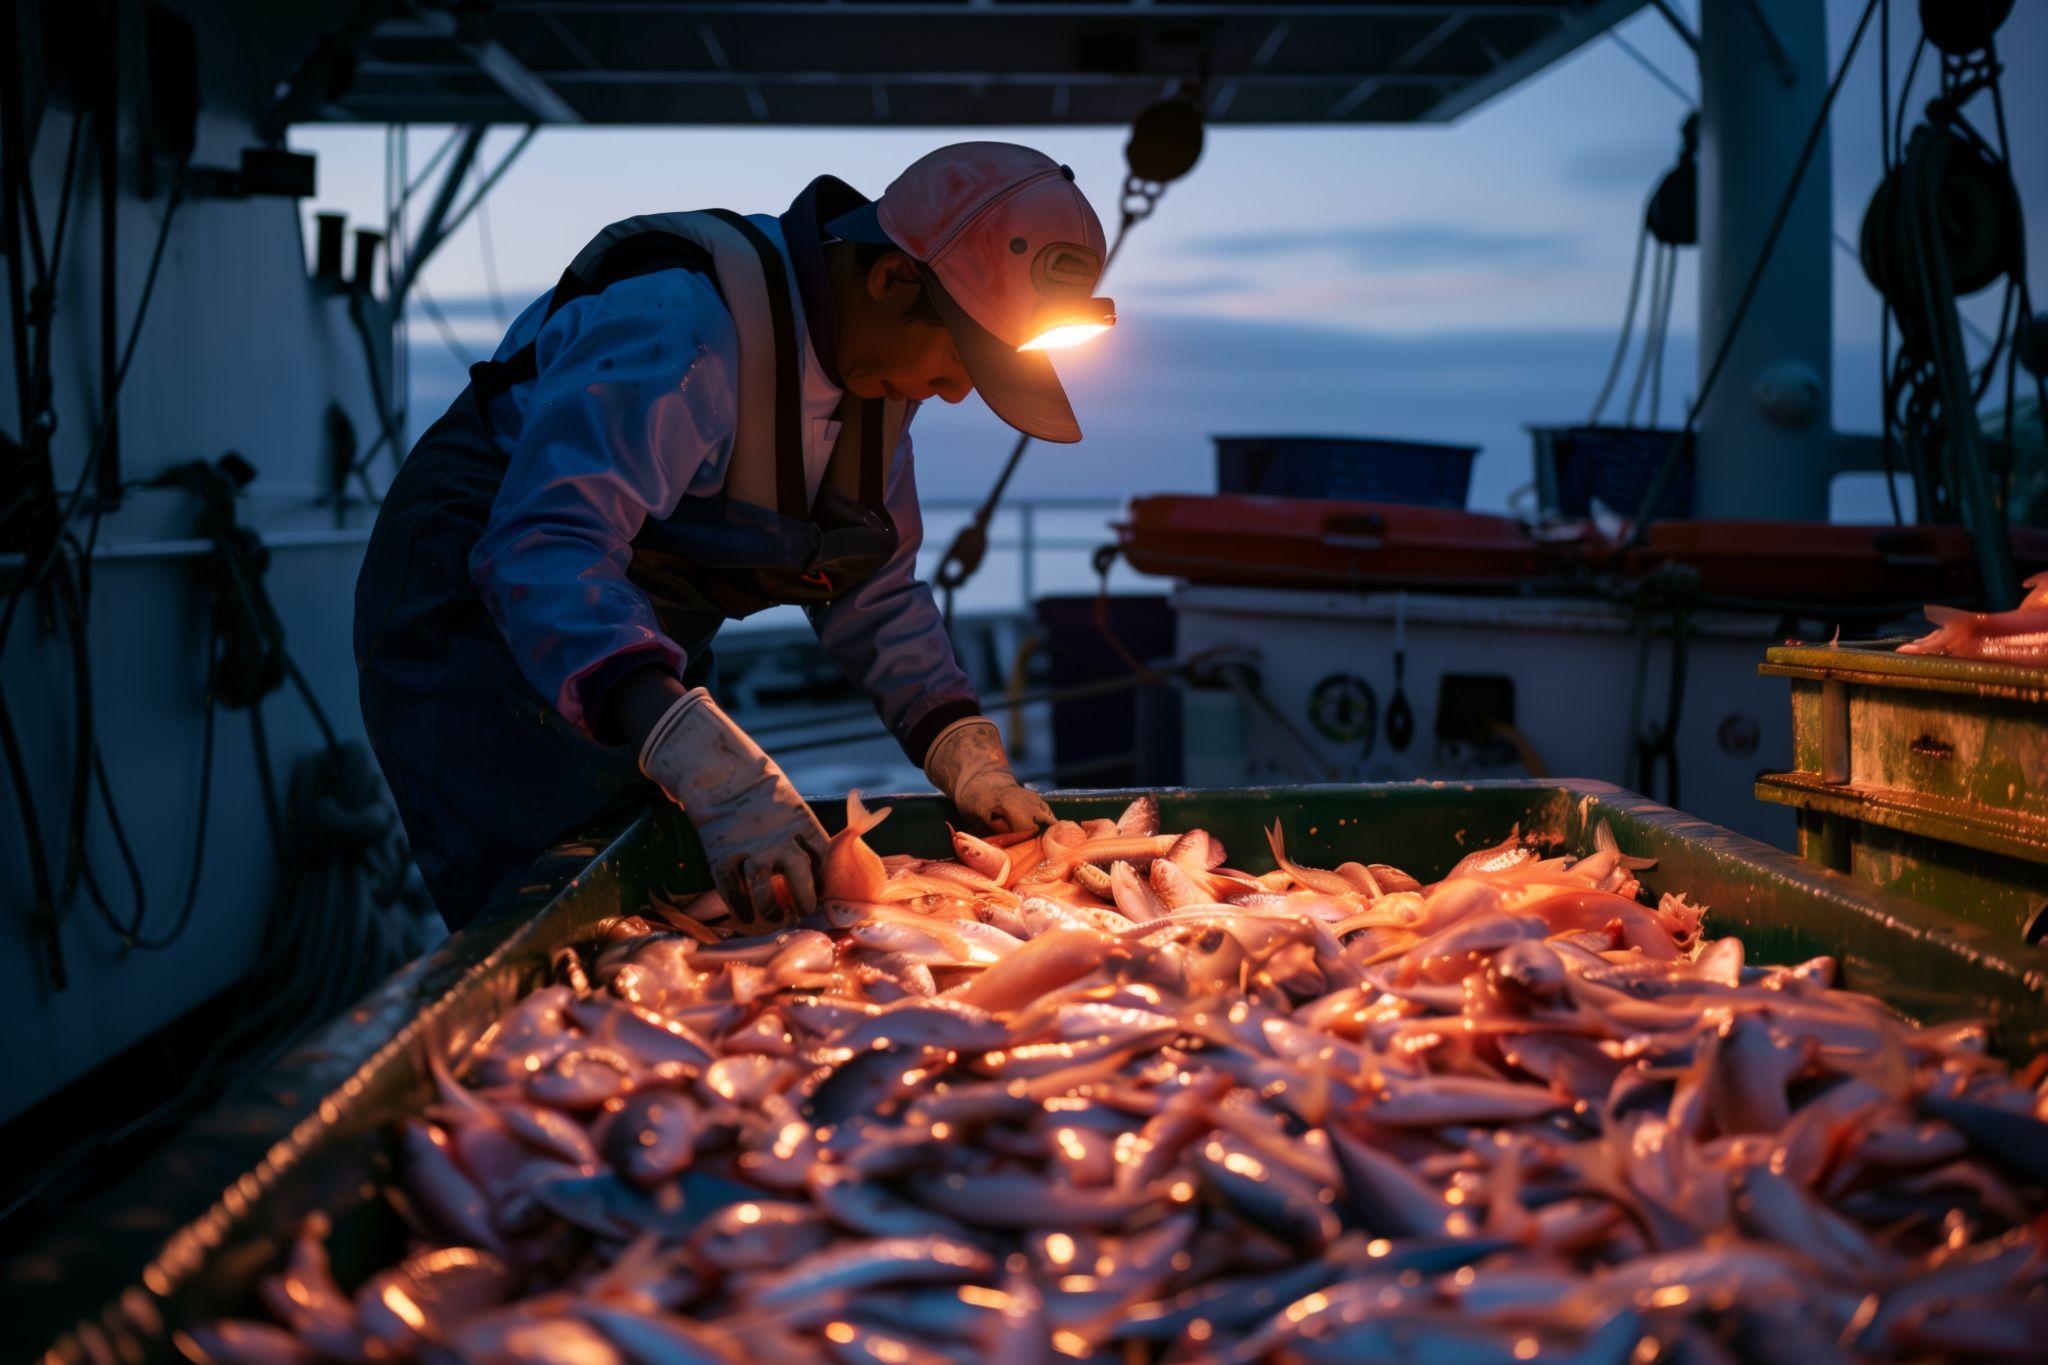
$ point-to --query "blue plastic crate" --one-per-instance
(1575, 465)
(1345, 468)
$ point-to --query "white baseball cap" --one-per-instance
(1010, 251)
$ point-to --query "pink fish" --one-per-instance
(853, 871)
(2019, 636)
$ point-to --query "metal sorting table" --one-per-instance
(1924, 776)
(187, 1236)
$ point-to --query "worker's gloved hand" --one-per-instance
(968, 764)
(753, 824)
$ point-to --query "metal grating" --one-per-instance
(940, 62)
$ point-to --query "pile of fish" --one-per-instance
(2019, 636)
(1093, 1094)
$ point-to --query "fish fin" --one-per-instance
(859, 818)
(1140, 818)
(1276, 839)
(1603, 839)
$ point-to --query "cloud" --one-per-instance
(1615, 166)
(1399, 246)
(1187, 287)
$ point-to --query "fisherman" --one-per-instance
(708, 415)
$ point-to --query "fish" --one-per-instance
(1094, 1093)
(882, 1260)
(652, 1136)
(2017, 636)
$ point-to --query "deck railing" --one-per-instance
(1036, 544)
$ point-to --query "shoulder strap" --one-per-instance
(788, 378)
(642, 253)
(767, 467)
(869, 429)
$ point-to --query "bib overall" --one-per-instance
(484, 770)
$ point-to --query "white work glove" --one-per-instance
(968, 764)
(753, 824)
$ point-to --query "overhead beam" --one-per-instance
(1366, 88)
(1156, 9)
(520, 84)
(513, 77)
(1574, 30)
(1148, 79)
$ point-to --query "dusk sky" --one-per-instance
(1449, 283)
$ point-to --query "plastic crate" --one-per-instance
(1346, 468)
(1575, 465)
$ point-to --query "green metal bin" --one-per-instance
(1924, 776)
(187, 1237)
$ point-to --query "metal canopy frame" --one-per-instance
(953, 63)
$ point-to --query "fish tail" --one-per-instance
(859, 819)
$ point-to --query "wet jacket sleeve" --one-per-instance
(890, 638)
(632, 403)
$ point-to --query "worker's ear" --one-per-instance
(893, 280)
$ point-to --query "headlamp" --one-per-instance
(1069, 322)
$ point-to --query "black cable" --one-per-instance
(182, 919)
(44, 888)
(32, 570)
(1884, 302)
(441, 325)
(2019, 268)
(13, 164)
(1628, 325)
(1663, 339)
(490, 263)
(1906, 93)
(1653, 325)
(1646, 64)
(1654, 494)
(266, 779)
(71, 612)
(39, 366)
(1982, 384)
(387, 418)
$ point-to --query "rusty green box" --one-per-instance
(1925, 776)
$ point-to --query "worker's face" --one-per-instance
(883, 353)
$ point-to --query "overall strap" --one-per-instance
(767, 465)
(643, 252)
(790, 499)
(869, 429)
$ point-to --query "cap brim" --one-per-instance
(1018, 386)
(864, 224)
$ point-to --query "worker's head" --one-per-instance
(977, 261)
(892, 341)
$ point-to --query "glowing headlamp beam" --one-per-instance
(1063, 335)
(1060, 323)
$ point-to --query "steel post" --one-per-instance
(1765, 438)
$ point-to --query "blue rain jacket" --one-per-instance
(494, 608)
(632, 411)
